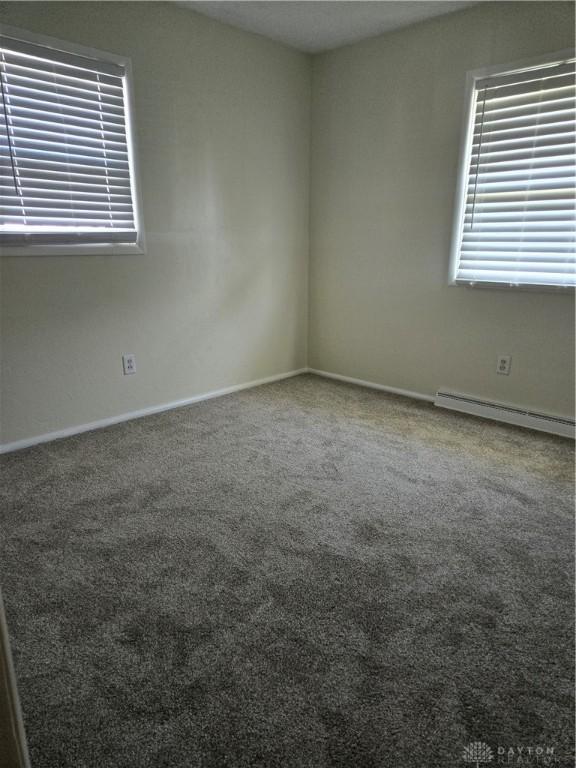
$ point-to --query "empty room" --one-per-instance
(287, 384)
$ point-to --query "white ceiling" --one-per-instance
(318, 25)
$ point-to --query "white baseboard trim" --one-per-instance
(372, 385)
(111, 420)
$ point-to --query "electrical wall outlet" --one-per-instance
(128, 364)
(503, 364)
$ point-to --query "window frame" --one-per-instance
(464, 154)
(90, 249)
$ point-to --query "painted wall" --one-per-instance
(387, 118)
(220, 297)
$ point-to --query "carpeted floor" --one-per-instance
(303, 574)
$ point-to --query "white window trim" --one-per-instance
(88, 249)
(464, 162)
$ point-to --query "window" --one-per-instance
(67, 177)
(515, 218)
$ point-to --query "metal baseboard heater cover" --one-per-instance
(507, 413)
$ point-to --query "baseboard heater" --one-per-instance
(507, 413)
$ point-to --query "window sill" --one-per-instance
(513, 287)
(88, 249)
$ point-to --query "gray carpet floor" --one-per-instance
(303, 574)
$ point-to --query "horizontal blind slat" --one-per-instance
(536, 119)
(32, 170)
(500, 236)
(521, 266)
(92, 158)
(539, 131)
(555, 203)
(495, 109)
(510, 164)
(27, 138)
(97, 222)
(57, 122)
(560, 257)
(563, 182)
(491, 175)
(40, 193)
(529, 141)
(52, 207)
(42, 102)
(26, 135)
(528, 247)
(520, 215)
(541, 199)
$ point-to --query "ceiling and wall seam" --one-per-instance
(318, 27)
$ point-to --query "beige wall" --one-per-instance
(220, 297)
(387, 116)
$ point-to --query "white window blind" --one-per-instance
(65, 165)
(517, 210)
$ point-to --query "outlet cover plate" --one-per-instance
(129, 364)
(503, 365)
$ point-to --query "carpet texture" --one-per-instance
(303, 574)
